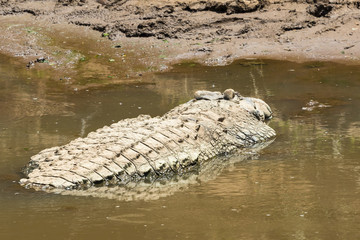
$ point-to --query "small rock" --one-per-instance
(319, 10)
(207, 95)
(229, 94)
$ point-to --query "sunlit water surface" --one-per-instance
(305, 185)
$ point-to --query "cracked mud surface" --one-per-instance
(148, 36)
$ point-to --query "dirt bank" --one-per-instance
(150, 35)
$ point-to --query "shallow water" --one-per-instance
(305, 185)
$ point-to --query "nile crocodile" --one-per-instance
(209, 125)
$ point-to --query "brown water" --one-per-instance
(305, 185)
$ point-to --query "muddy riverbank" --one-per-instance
(113, 41)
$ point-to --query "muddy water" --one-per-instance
(305, 185)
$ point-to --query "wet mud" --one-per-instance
(121, 41)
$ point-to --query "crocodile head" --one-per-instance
(256, 106)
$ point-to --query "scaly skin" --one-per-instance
(146, 147)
